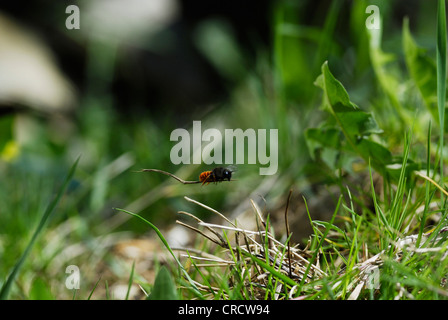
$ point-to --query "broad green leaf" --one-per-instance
(328, 145)
(322, 137)
(40, 290)
(355, 124)
(164, 287)
(353, 121)
(335, 92)
(379, 155)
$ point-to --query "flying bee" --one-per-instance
(216, 175)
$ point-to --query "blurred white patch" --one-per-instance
(28, 72)
(119, 20)
(178, 237)
(119, 291)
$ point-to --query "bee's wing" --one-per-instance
(232, 168)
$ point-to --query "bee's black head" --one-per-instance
(227, 174)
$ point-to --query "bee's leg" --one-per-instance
(207, 180)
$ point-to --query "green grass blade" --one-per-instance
(107, 291)
(131, 278)
(441, 74)
(381, 218)
(8, 283)
(201, 274)
(94, 287)
(316, 251)
(271, 269)
(397, 213)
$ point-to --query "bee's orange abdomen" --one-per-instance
(203, 177)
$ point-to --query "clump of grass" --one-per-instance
(260, 265)
(232, 262)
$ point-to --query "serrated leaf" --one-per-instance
(355, 124)
(352, 120)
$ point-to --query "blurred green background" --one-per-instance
(113, 91)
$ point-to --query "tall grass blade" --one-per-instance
(131, 279)
(321, 241)
(441, 75)
(94, 287)
(8, 283)
(428, 197)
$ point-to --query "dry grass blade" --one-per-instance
(432, 181)
(200, 232)
(216, 260)
(171, 175)
(221, 239)
(257, 211)
(210, 209)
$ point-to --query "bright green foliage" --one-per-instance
(356, 125)
(164, 287)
